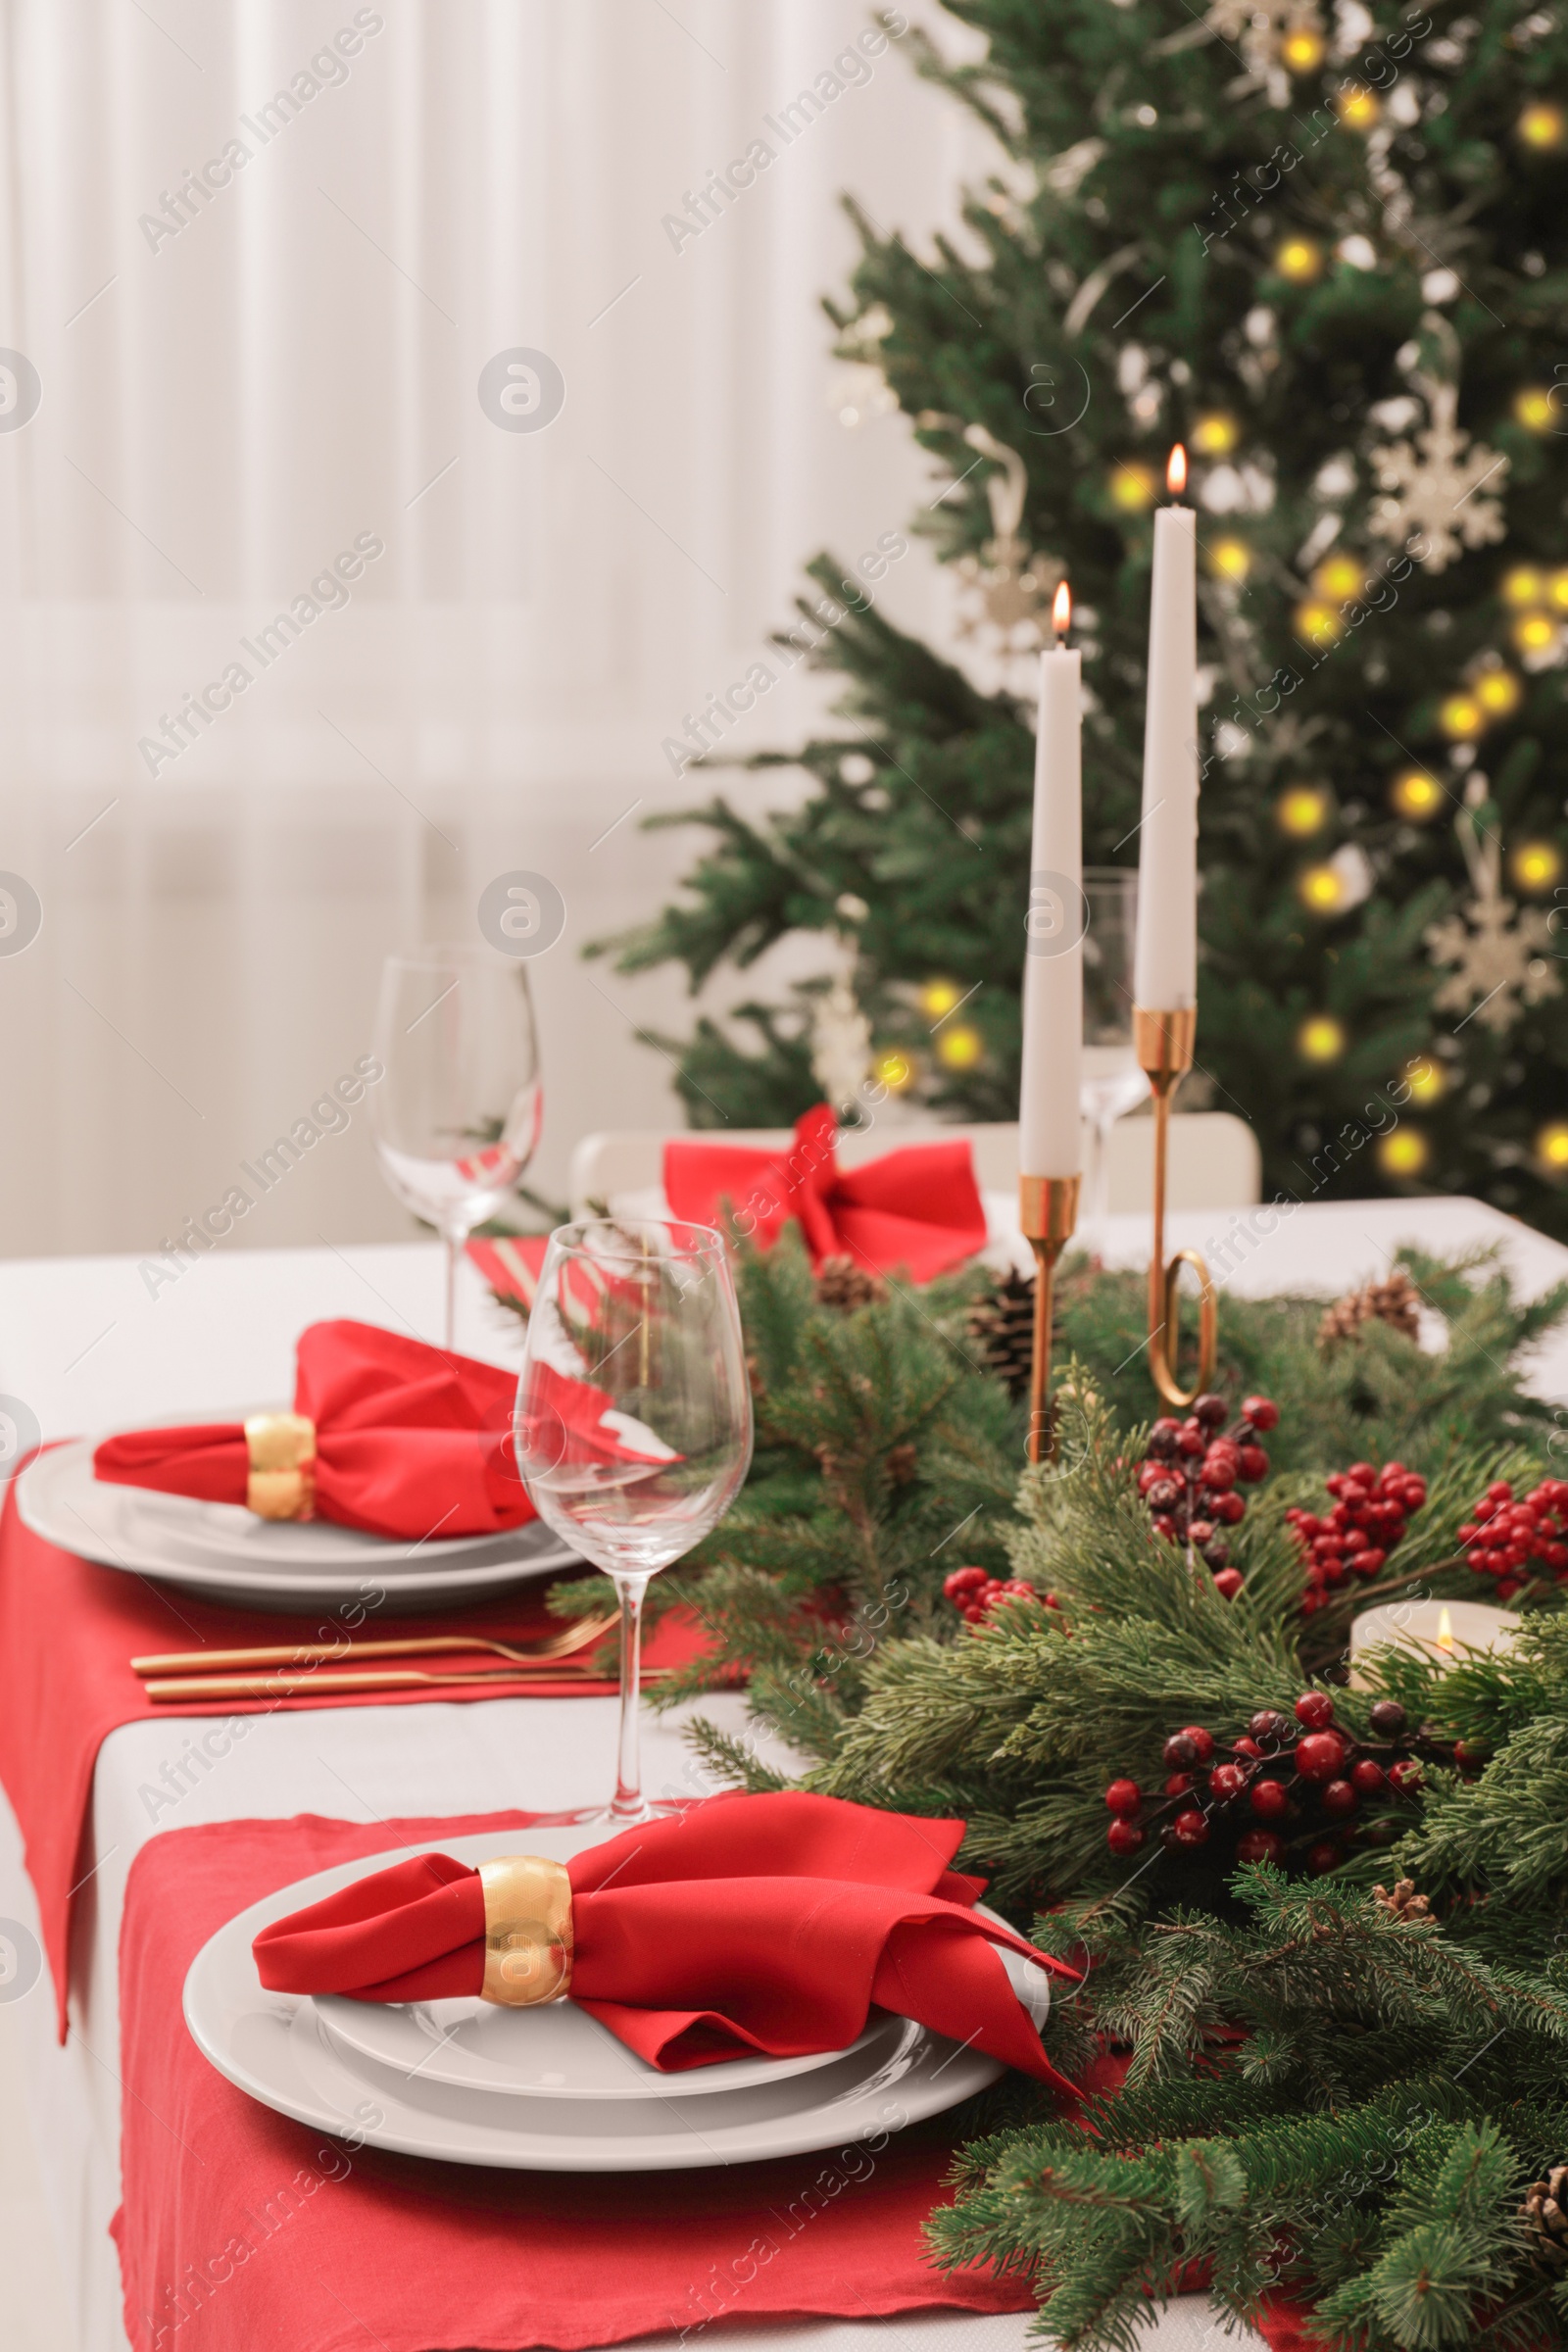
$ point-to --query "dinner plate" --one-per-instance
(225, 1554)
(281, 2050)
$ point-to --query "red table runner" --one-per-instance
(68, 1629)
(279, 2237)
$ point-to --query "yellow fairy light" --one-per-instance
(1557, 589)
(894, 1070)
(1231, 558)
(1357, 109)
(1132, 488)
(1461, 716)
(1215, 436)
(1534, 633)
(1301, 49)
(1404, 1153)
(1523, 587)
(1320, 1039)
(1535, 408)
(1300, 260)
(1303, 810)
(1535, 865)
(1319, 623)
(1321, 888)
(1543, 125)
(959, 1047)
(1341, 576)
(1497, 691)
(1416, 795)
(1425, 1079)
(939, 997)
(1551, 1146)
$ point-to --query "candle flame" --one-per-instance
(1445, 1630)
(1062, 611)
(1176, 472)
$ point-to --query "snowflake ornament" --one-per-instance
(1501, 966)
(1433, 487)
(841, 1045)
(1009, 588)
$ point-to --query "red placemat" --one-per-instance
(279, 2237)
(68, 1629)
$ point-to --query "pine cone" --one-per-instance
(1002, 1330)
(1403, 1903)
(842, 1284)
(1544, 2214)
(1396, 1303)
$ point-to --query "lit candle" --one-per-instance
(1166, 959)
(1049, 1133)
(1440, 1630)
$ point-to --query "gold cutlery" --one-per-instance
(387, 1678)
(547, 1653)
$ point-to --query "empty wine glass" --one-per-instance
(1112, 1083)
(633, 1426)
(457, 1114)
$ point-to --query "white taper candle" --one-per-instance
(1166, 959)
(1049, 1133)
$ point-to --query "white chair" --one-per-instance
(1214, 1160)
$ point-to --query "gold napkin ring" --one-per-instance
(527, 1930)
(283, 1472)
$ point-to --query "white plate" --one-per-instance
(225, 1554)
(276, 2047)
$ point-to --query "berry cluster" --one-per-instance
(1371, 1508)
(974, 1593)
(1191, 1472)
(1503, 1537)
(1286, 1791)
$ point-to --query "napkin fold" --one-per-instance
(916, 1208)
(411, 1442)
(766, 1926)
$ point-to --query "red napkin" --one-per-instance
(411, 1442)
(764, 1924)
(916, 1209)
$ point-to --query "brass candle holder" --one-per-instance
(1163, 1043)
(1047, 1211)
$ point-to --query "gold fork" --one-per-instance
(387, 1678)
(547, 1653)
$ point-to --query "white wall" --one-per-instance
(297, 365)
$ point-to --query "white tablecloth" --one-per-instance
(83, 1345)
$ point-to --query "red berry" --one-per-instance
(1319, 1755)
(1150, 1474)
(1190, 1828)
(1124, 1797)
(1124, 1837)
(1252, 1465)
(1227, 1780)
(1323, 1856)
(1228, 1509)
(962, 1580)
(1178, 1783)
(1209, 1410)
(1314, 1709)
(1363, 1473)
(1269, 1801)
(1228, 1583)
(1190, 1440)
(1369, 1563)
(1367, 1775)
(1180, 1752)
(1259, 1845)
(1406, 1775)
(1219, 1471)
(1163, 1494)
(1247, 1747)
(1387, 1718)
(1203, 1742)
(1339, 1796)
(1202, 1532)
(1270, 1724)
(1261, 1411)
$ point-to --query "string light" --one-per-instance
(1301, 50)
(1299, 260)
(1215, 436)
(959, 1047)
(1339, 576)
(1535, 408)
(1132, 488)
(1534, 633)
(1542, 126)
(1231, 558)
(1461, 716)
(1524, 586)
(894, 1070)
(1319, 623)
(1535, 865)
(1303, 810)
(1416, 795)
(1551, 1146)
(1426, 1079)
(1499, 692)
(1404, 1153)
(1357, 109)
(1321, 888)
(1320, 1039)
(1557, 589)
(939, 997)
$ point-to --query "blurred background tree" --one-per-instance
(1329, 254)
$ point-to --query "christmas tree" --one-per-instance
(1329, 255)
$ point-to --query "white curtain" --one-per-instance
(259, 326)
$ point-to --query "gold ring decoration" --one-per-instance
(527, 1930)
(283, 1466)
(1047, 1211)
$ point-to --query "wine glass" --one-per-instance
(457, 1114)
(1112, 1083)
(633, 1426)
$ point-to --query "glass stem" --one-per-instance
(629, 1802)
(1099, 1181)
(454, 1242)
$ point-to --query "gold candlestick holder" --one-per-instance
(1163, 1043)
(1047, 1211)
